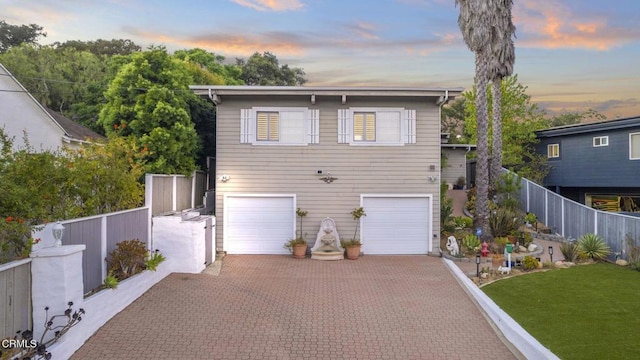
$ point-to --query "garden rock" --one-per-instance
(522, 249)
(622, 262)
(564, 264)
(532, 247)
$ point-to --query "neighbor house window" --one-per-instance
(267, 126)
(376, 126)
(553, 150)
(634, 146)
(600, 141)
(279, 126)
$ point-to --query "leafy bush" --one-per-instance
(507, 189)
(530, 263)
(527, 239)
(471, 243)
(500, 243)
(570, 251)
(633, 253)
(463, 222)
(127, 259)
(593, 246)
(503, 222)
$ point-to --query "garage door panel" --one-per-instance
(396, 225)
(258, 224)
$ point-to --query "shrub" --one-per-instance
(127, 259)
(570, 251)
(110, 282)
(503, 222)
(593, 246)
(530, 263)
(548, 265)
(633, 253)
(500, 243)
(471, 243)
(463, 222)
(154, 259)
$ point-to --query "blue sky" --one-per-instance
(572, 54)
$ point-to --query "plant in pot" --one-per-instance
(298, 245)
(352, 247)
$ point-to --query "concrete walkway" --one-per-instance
(277, 307)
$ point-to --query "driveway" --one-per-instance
(277, 307)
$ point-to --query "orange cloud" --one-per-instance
(365, 30)
(273, 5)
(551, 25)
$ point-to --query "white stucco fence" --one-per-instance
(512, 331)
(57, 279)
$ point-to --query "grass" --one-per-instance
(584, 312)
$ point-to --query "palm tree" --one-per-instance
(501, 59)
(474, 21)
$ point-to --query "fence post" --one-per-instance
(562, 218)
(103, 245)
(193, 189)
(595, 222)
(56, 279)
(174, 193)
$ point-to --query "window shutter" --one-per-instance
(314, 126)
(410, 126)
(343, 126)
(245, 126)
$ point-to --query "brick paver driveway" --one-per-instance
(277, 307)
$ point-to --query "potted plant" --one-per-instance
(298, 245)
(352, 247)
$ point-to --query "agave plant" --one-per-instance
(570, 251)
(593, 246)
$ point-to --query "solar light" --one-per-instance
(58, 231)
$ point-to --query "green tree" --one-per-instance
(14, 35)
(520, 119)
(452, 121)
(148, 101)
(101, 47)
(264, 69)
(572, 118)
(221, 73)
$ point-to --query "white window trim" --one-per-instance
(549, 155)
(604, 141)
(631, 135)
(248, 131)
(407, 126)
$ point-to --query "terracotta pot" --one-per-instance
(353, 252)
(299, 251)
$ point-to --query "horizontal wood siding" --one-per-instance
(582, 165)
(456, 165)
(359, 169)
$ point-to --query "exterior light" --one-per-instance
(478, 265)
(224, 178)
(58, 231)
(551, 253)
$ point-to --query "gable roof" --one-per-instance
(624, 123)
(73, 130)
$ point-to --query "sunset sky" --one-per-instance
(572, 54)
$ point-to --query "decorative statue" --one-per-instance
(452, 246)
(485, 249)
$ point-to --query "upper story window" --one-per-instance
(279, 126)
(634, 146)
(600, 141)
(553, 151)
(376, 126)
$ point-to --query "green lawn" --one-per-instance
(584, 312)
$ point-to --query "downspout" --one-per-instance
(440, 104)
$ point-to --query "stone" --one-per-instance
(622, 262)
(532, 247)
(522, 249)
(327, 245)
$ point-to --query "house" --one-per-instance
(46, 129)
(597, 164)
(454, 162)
(327, 150)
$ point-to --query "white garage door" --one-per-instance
(258, 224)
(396, 224)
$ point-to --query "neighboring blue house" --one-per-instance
(597, 164)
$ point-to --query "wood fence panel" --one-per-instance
(15, 300)
(89, 233)
(127, 226)
(183, 193)
(162, 194)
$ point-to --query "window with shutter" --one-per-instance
(376, 126)
(279, 126)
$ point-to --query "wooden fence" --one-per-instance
(171, 193)
(15, 297)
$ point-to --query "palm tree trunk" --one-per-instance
(482, 165)
(496, 150)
